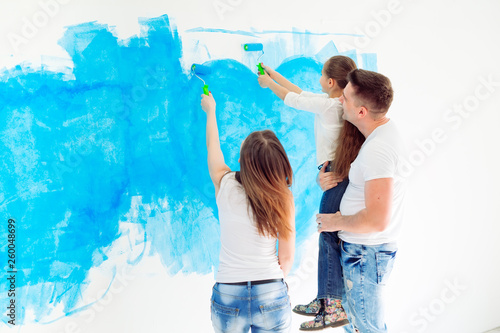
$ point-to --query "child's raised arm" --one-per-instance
(216, 165)
(277, 83)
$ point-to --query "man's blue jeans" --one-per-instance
(261, 308)
(366, 270)
(330, 283)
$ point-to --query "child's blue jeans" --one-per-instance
(330, 283)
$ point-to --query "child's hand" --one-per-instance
(268, 69)
(208, 103)
(265, 80)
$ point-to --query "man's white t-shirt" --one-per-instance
(327, 120)
(381, 156)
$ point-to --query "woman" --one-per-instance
(256, 210)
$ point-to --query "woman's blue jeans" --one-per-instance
(260, 308)
(330, 283)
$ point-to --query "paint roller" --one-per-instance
(201, 70)
(255, 47)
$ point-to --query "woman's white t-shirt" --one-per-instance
(245, 255)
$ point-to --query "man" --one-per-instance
(371, 210)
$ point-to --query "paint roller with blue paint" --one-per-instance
(256, 47)
(201, 70)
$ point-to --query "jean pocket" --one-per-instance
(354, 251)
(385, 262)
(275, 305)
(277, 315)
(224, 318)
(224, 310)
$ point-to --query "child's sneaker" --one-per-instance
(310, 309)
(324, 320)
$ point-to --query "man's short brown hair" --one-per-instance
(373, 90)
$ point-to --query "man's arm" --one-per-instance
(374, 218)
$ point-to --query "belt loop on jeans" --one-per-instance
(254, 283)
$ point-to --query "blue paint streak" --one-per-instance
(86, 306)
(73, 154)
(255, 33)
(369, 61)
(329, 50)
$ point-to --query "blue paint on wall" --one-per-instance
(255, 33)
(75, 153)
(369, 61)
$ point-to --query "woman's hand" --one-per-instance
(327, 180)
(208, 103)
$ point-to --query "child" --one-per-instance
(256, 210)
(336, 141)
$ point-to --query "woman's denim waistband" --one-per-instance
(250, 283)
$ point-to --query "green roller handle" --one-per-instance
(205, 90)
(261, 70)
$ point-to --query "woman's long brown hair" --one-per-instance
(266, 175)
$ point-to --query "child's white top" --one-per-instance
(327, 121)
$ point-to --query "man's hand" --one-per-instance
(208, 103)
(327, 180)
(328, 222)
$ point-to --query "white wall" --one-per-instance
(438, 55)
